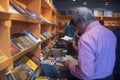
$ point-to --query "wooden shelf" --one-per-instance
(20, 54)
(45, 4)
(11, 23)
(18, 17)
(111, 18)
(5, 63)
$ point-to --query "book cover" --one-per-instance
(14, 49)
(31, 36)
(30, 41)
(19, 37)
(17, 43)
(34, 57)
(21, 72)
(9, 76)
(12, 10)
(24, 41)
(66, 38)
(20, 9)
(30, 63)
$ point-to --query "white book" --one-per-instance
(67, 38)
(12, 10)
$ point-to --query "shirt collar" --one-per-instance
(91, 25)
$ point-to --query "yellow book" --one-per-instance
(41, 78)
(30, 63)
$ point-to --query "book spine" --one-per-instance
(30, 36)
(9, 76)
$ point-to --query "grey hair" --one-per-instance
(83, 14)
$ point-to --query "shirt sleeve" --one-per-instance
(85, 68)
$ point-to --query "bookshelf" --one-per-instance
(12, 23)
(62, 20)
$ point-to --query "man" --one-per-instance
(96, 48)
(70, 29)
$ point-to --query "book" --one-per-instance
(31, 35)
(21, 72)
(66, 38)
(22, 40)
(14, 49)
(12, 10)
(33, 57)
(9, 76)
(29, 62)
(17, 43)
(42, 78)
(20, 9)
(49, 68)
(56, 52)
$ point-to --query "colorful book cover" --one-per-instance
(30, 63)
(9, 76)
(14, 49)
(21, 72)
(17, 43)
(34, 57)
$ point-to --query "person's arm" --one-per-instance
(85, 67)
(75, 47)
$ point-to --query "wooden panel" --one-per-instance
(47, 13)
(18, 27)
(22, 3)
(5, 37)
(20, 54)
(17, 17)
(45, 4)
(5, 4)
(36, 8)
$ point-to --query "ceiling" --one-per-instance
(113, 5)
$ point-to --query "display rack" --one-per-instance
(12, 23)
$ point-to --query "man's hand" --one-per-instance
(67, 63)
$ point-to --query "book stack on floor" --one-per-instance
(22, 41)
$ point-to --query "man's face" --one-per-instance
(79, 25)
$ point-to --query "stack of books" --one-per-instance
(16, 8)
(46, 34)
(24, 68)
(22, 41)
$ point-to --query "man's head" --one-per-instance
(82, 17)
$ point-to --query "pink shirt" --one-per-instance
(96, 56)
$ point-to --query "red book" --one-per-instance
(14, 49)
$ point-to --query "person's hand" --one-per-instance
(67, 63)
(70, 41)
(73, 42)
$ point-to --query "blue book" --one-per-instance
(31, 36)
(9, 76)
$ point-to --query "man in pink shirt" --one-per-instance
(96, 48)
